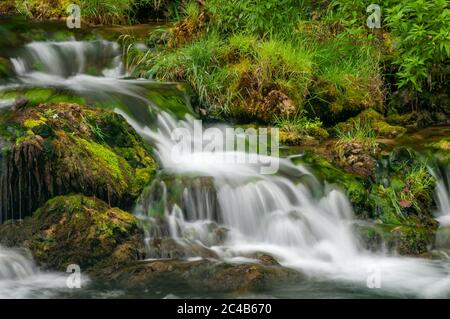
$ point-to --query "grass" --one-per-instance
(234, 69)
(94, 11)
(299, 124)
(359, 131)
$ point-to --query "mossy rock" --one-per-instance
(6, 69)
(338, 100)
(58, 149)
(36, 96)
(441, 145)
(77, 230)
(356, 187)
(376, 121)
(411, 238)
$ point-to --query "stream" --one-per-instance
(306, 225)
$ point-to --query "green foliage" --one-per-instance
(422, 36)
(413, 192)
(267, 17)
(96, 11)
(300, 124)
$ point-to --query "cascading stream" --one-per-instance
(305, 225)
(443, 196)
(20, 278)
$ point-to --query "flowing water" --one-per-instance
(443, 195)
(304, 223)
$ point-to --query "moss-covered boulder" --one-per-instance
(356, 187)
(338, 96)
(58, 149)
(77, 230)
(375, 121)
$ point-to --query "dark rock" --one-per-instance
(77, 230)
(203, 275)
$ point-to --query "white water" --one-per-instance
(443, 197)
(304, 226)
(310, 233)
(20, 278)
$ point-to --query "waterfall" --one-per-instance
(306, 226)
(20, 278)
(14, 265)
(304, 223)
(443, 196)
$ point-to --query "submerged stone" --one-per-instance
(203, 275)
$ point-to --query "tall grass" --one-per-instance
(94, 11)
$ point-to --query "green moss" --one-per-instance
(31, 123)
(37, 96)
(81, 230)
(375, 121)
(5, 68)
(76, 149)
(442, 145)
(105, 159)
(355, 187)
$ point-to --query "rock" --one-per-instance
(276, 103)
(336, 103)
(77, 230)
(374, 120)
(169, 248)
(6, 69)
(203, 275)
(355, 157)
(59, 149)
(405, 239)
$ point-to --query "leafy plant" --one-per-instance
(422, 36)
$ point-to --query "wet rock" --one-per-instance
(77, 230)
(203, 275)
(355, 157)
(63, 148)
(169, 248)
(375, 121)
(406, 239)
(276, 103)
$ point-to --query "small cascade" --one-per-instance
(443, 196)
(14, 265)
(20, 278)
(65, 58)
